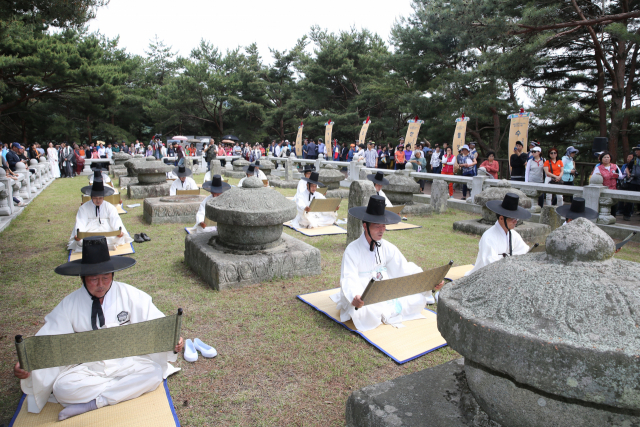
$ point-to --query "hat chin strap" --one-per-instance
(504, 219)
(374, 243)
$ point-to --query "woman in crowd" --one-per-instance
(610, 173)
(79, 156)
(400, 159)
(553, 169)
(448, 161)
(180, 155)
(52, 155)
(149, 152)
(436, 164)
(419, 164)
(384, 161)
(94, 153)
(491, 166)
(569, 168)
(535, 170)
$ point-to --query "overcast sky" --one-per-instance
(271, 24)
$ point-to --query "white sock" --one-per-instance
(77, 409)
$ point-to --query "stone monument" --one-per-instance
(131, 177)
(266, 166)
(439, 196)
(152, 179)
(172, 209)
(529, 231)
(46, 167)
(238, 169)
(359, 194)
(118, 169)
(331, 178)
(249, 246)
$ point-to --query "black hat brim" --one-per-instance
(310, 181)
(496, 206)
(108, 191)
(187, 172)
(224, 187)
(566, 212)
(372, 178)
(77, 268)
(388, 218)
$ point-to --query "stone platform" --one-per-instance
(234, 174)
(143, 191)
(529, 231)
(223, 269)
(279, 183)
(434, 397)
(172, 209)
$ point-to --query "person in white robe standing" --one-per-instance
(502, 239)
(98, 215)
(184, 181)
(372, 257)
(306, 219)
(89, 386)
(216, 187)
(52, 156)
(306, 173)
(378, 182)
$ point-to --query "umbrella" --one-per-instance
(180, 138)
(231, 138)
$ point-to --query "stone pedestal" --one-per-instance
(25, 189)
(331, 178)
(238, 169)
(152, 178)
(45, 173)
(287, 180)
(604, 213)
(439, 196)
(6, 195)
(249, 246)
(172, 209)
(118, 168)
(359, 194)
(550, 217)
(216, 167)
(533, 196)
(37, 176)
(529, 231)
(401, 188)
(266, 166)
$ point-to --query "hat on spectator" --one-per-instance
(375, 212)
(508, 207)
(472, 143)
(181, 171)
(95, 260)
(313, 179)
(534, 143)
(570, 150)
(464, 147)
(97, 189)
(216, 185)
(378, 178)
(577, 209)
(16, 145)
(536, 148)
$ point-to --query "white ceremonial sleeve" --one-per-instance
(350, 282)
(200, 215)
(397, 264)
(518, 245)
(191, 184)
(174, 187)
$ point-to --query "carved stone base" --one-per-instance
(172, 209)
(140, 191)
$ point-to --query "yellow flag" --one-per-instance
(519, 131)
(412, 132)
(363, 131)
(328, 152)
(299, 141)
(458, 136)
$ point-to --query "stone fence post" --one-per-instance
(359, 194)
(216, 167)
(8, 188)
(25, 189)
(319, 161)
(288, 169)
(439, 195)
(591, 194)
(476, 185)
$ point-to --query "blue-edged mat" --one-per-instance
(417, 338)
(319, 231)
(121, 250)
(153, 409)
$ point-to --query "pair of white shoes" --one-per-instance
(191, 349)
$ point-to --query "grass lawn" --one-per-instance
(280, 362)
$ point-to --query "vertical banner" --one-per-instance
(412, 132)
(299, 141)
(328, 151)
(363, 131)
(519, 130)
(459, 135)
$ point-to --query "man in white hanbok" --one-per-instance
(98, 215)
(216, 187)
(378, 182)
(502, 240)
(371, 257)
(306, 172)
(184, 181)
(261, 175)
(306, 219)
(89, 386)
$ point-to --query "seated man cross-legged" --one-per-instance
(216, 187)
(184, 181)
(305, 218)
(372, 257)
(99, 303)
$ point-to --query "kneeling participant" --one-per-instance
(184, 181)
(306, 219)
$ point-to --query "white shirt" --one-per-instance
(494, 243)
(189, 184)
(101, 151)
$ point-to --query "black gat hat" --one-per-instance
(95, 260)
(375, 212)
(378, 178)
(181, 171)
(216, 185)
(508, 207)
(97, 189)
(576, 209)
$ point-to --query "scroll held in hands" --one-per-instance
(324, 205)
(385, 290)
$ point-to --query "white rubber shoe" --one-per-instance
(190, 353)
(206, 350)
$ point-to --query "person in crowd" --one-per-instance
(163, 151)
(474, 155)
(278, 149)
(502, 239)
(419, 164)
(312, 150)
(400, 157)
(569, 166)
(352, 152)
(610, 173)
(33, 152)
(407, 154)
(52, 156)
(632, 172)
(553, 169)
(344, 152)
(448, 164)
(94, 153)
(518, 162)
(535, 170)
(491, 166)
(184, 181)
(371, 156)
(179, 154)
(149, 151)
(322, 149)
(102, 153)
(360, 152)
(467, 163)
(216, 187)
(98, 215)
(115, 149)
(108, 151)
(67, 155)
(304, 218)
(436, 161)
(101, 302)
(532, 144)
(79, 159)
(380, 181)
(370, 256)
(383, 158)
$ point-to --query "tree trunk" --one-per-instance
(281, 128)
(617, 97)
(602, 107)
(89, 129)
(625, 121)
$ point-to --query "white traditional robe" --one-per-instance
(105, 178)
(387, 202)
(302, 185)
(207, 177)
(200, 218)
(52, 156)
(359, 265)
(494, 243)
(311, 219)
(261, 174)
(188, 184)
(107, 381)
(106, 219)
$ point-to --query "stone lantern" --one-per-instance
(152, 178)
(249, 246)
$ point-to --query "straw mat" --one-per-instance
(125, 249)
(319, 231)
(120, 210)
(154, 409)
(416, 339)
(401, 226)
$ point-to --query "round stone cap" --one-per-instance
(251, 206)
(20, 167)
(33, 162)
(252, 182)
(43, 159)
(3, 174)
(580, 240)
(327, 176)
(148, 166)
(596, 180)
(401, 183)
(183, 199)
